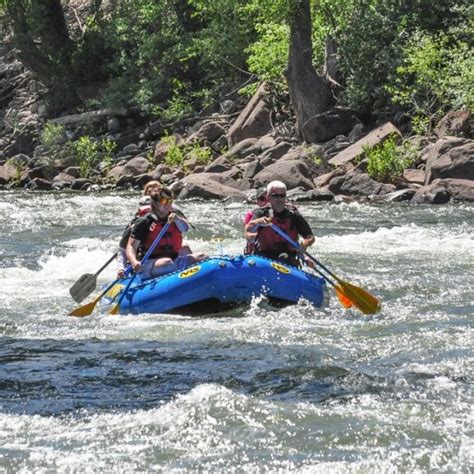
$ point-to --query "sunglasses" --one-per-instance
(275, 195)
(163, 200)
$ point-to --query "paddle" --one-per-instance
(87, 309)
(346, 302)
(361, 298)
(116, 308)
(87, 283)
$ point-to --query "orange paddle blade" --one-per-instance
(361, 298)
(345, 301)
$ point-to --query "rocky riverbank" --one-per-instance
(228, 151)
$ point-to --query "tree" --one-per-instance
(45, 47)
(310, 93)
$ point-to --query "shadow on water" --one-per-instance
(51, 377)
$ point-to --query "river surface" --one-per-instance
(254, 389)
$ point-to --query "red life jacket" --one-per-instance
(268, 240)
(169, 245)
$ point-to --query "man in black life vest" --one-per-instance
(268, 243)
(170, 254)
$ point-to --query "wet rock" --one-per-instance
(294, 173)
(81, 184)
(460, 189)
(434, 193)
(357, 184)
(201, 186)
(414, 176)
(400, 195)
(450, 157)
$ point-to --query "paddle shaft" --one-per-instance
(297, 246)
(155, 243)
(106, 264)
(366, 302)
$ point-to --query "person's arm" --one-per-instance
(132, 248)
(258, 219)
(304, 229)
(307, 242)
(138, 234)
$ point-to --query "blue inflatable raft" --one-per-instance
(218, 283)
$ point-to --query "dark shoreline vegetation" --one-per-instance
(341, 100)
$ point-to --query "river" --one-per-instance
(255, 389)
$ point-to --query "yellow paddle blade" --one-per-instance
(85, 310)
(345, 301)
(361, 298)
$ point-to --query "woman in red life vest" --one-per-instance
(267, 242)
(152, 188)
(170, 254)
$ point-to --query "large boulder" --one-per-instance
(204, 186)
(434, 193)
(358, 184)
(373, 138)
(8, 172)
(459, 123)
(450, 157)
(254, 120)
(135, 167)
(323, 127)
(208, 132)
(460, 189)
(294, 173)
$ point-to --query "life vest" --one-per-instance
(169, 245)
(269, 241)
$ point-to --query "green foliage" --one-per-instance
(86, 154)
(19, 166)
(436, 73)
(268, 56)
(202, 154)
(371, 43)
(387, 161)
(175, 154)
(175, 56)
(53, 137)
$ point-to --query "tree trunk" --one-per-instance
(41, 35)
(310, 94)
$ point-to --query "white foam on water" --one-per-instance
(410, 240)
(213, 428)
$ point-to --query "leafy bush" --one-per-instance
(88, 153)
(202, 154)
(437, 73)
(387, 161)
(268, 56)
(175, 154)
(53, 137)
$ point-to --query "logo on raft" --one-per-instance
(280, 268)
(189, 272)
